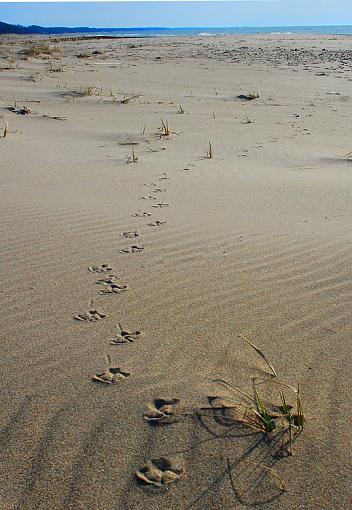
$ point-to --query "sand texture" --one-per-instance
(132, 262)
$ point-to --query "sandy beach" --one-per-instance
(105, 165)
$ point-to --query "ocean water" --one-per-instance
(204, 31)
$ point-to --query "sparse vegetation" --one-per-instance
(287, 419)
(90, 91)
(348, 157)
(133, 158)
(6, 129)
(164, 129)
(130, 99)
(247, 120)
(56, 68)
(180, 111)
(210, 151)
(36, 50)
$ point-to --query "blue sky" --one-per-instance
(180, 14)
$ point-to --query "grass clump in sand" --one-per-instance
(37, 50)
(164, 130)
(282, 418)
(90, 91)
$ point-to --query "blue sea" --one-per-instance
(205, 31)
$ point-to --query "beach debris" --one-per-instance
(123, 336)
(90, 316)
(160, 472)
(54, 117)
(248, 97)
(132, 249)
(111, 375)
(247, 120)
(103, 268)
(20, 110)
(163, 410)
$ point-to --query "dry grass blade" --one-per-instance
(210, 152)
(261, 354)
(6, 129)
(164, 129)
(133, 158)
(131, 98)
(229, 385)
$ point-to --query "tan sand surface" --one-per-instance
(257, 242)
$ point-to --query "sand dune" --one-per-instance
(255, 241)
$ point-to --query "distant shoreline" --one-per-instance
(108, 33)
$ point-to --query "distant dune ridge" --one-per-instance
(6, 28)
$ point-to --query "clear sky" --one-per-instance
(180, 14)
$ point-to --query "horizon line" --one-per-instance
(173, 28)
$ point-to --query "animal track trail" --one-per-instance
(111, 375)
(159, 190)
(135, 248)
(149, 197)
(160, 205)
(156, 223)
(103, 268)
(90, 316)
(124, 336)
(140, 214)
(111, 286)
(160, 472)
(163, 411)
(130, 234)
